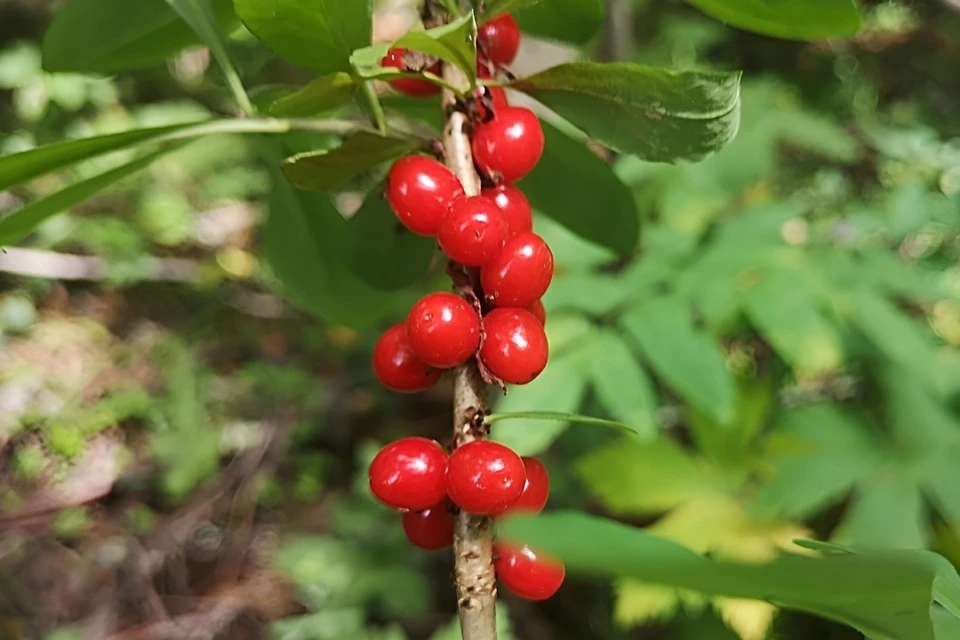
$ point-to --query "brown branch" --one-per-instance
(473, 535)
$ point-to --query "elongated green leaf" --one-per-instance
(317, 35)
(817, 454)
(567, 20)
(560, 416)
(634, 478)
(870, 520)
(455, 42)
(200, 16)
(21, 223)
(323, 170)
(621, 384)
(595, 293)
(882, 593)
(497, 7)
(302, 241)
(790, 19)
(688, 360)
(20, 167)
(580, 191)
(381, 251)
(319, 95)
(656, 114)
(106, 36)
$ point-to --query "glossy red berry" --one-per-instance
(500, 39)
(409, 474)
(443, 329)
(397, 367)
(536, 489)
(528, 574)
(472, 231)
(416, 87)
(420, 190)
(539, 312)
(431, 528)
(521, 272)
(513, 205)
(515, 347)
(484, 477)
(509, 146)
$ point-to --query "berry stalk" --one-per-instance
(474, 576)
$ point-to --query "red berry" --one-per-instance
(496, 99)
(409, 474)
(443, 330)
(397, 367)
(500, 38)
(528, 574)
(536, 489)
(416, 87)
(472, 231)
(430, 529)
(513, 205)
(515, 347)
(420, 190)
(484, 477)
(521, 272)
(508, 146)
(539, 312)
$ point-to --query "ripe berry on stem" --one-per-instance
(484, 477)
(419, 190)
(509, 146)
(472, 231)
(409, 474)
(521, 272)
(538, 311)
(443, 329)
(415, 87)
(513, 205)
(500, 38)
(431, 528)
(530, 575)
(536, 489)
(515, 347)
(396, 366)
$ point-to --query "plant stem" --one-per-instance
(473, 535)
(376, 109)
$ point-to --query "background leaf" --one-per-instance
(361, 152)
(318, 95)
(791, 19)
(106, 36)
(317, 35)
(381, 251)
(656, 114)
(868, 521)
(580, 191)
(574, 21)
(621, 384)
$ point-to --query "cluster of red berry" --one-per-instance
(482, 477)
(502, 269)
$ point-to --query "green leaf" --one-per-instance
(361, 152)
(560, 416)
(885, 513)
(497, 7)
(106, 36)
(454, 42)
(631, 477)
(303, 241)
(318, 35)
(793, 324)
(21, 223)
(17, 168)
(595, 293)
(621, 384)
(920, 423)
(688, 360)
(561, 386)
(319, 95)
(567, 20)
(817, 454)
(789, 19)
(381, 251)
(882, 593)
(580, 191)
(200, 16)
(657, 114)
